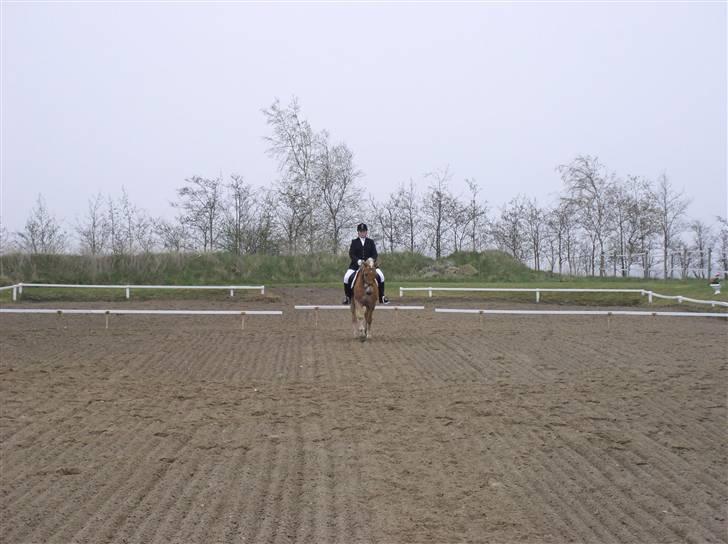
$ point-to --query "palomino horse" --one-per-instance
(365, 296)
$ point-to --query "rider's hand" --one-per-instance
(359, 262)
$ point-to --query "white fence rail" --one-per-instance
(348, 307)
(74, 311)
(539, 290)
(579, 312)
(18, 288)
(136, 312)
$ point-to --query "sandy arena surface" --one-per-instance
(440, 429)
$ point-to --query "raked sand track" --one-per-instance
(440, 429)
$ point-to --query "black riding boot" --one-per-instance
(347, 294)
(382, 298)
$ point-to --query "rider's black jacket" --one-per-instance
(357, 251)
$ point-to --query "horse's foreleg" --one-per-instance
(369, 313)
(359, 321)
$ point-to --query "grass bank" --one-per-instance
(465, 269)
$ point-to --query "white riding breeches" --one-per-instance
(349, 272)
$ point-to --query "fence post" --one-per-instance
(231, 293)
(538, 296)
(400, 292)
(430, 291)
(20, 289)
(649, 296)
(15, 293)
(128, 294)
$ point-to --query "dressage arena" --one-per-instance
(441, 428)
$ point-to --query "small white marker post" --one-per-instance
(107, 320)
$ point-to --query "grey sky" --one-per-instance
(96, 96)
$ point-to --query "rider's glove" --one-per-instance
(359, 262)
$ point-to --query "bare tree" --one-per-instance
(173, 236)
(145, 232)
(237, 214)
(114, 226)
(633, 213)
(561, 224)
(671, 206)
(509, 231)
(93, 229)
(202, 209)
(406, 200)
(435, 207)
(336, 186)
(42, 233)
(702, 240)
(292, 205)
(723, 244)
(456, 221)
(264, 237)
(535, 223)
(588, 189)
(386, 215)
(4, 241)
(136, 232)
(295, 145)
(476, 215)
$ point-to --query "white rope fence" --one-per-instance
(348, 307)
(607, 313)
(18, 288)
(316, 309)
(539, 290)
(73, 311)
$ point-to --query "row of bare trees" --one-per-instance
(599, 224)
(604, 225)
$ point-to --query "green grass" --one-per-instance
(466, 269)
(697, 289)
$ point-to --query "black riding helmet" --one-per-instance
(362, 227)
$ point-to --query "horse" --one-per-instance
(365, 296)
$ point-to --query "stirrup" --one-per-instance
(346, 300)
(384, 300)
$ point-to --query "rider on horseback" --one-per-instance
(360, 250)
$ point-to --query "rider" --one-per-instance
(360, 250)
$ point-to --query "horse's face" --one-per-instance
(369, 275)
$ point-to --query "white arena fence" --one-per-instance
(316, 308)
(107, 313)
(18, 288)
(607, 313)
(348, 307)
(538, 291)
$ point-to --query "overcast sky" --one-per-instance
(96, 96)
